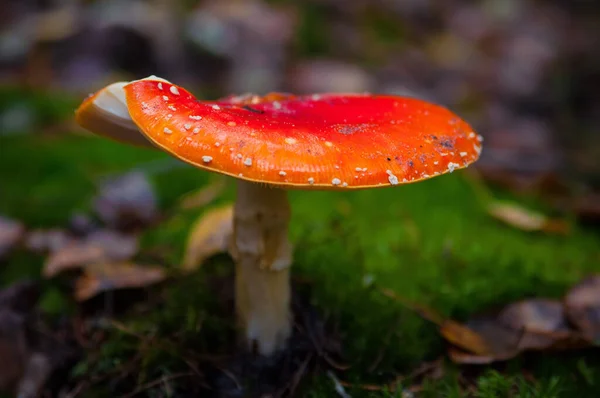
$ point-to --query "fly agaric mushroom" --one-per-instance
(278, 142)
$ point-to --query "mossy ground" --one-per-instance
(430, 242)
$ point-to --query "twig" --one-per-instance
(382, 349)
(298, 376)
(319, 349)
(339, 388)
(151, 384)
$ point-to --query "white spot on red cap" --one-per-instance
(195, 117)
(336, 181)
(290, 140)
(462, 154)
(167, 130)
(196, 130)
(248, 162)
(187, 126)
(392, 178)
(207, 159)
(216, 107)
(171, 107)
(282, 173)
(452, 166)
(165, 98)
(174, 90)
(160, 87)
(311, 180)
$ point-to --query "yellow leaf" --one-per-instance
(210, 235)
(525, 219)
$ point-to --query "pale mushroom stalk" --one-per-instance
(262, 253)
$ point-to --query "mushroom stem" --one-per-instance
(263, 255)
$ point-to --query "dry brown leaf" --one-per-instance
(457, 355)
(537, 324)
(112, 276)
(540, 322)
(11, 233)
(210, 235)
(43, 241)
(527, 220)
(99, 247)
(462, 336)
(582, 306)
(203, 196)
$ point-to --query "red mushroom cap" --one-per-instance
(325, 141)
(105, 113)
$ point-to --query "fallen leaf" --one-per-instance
(99, 247)
(14, 349)
(209, 235)
(464, 337)
(541, 322)
(112, 276)
(536, 324)
(11, 233)
(582, 306)
(527, 220)
(457, 355)
(47, 240)
(203, 196)
(126, 202)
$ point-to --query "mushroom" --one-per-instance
(279, 142)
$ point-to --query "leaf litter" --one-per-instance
(32, 349)
(11, 234)
(537, 324)
(101, 246)
(104, 277)
(583, 307)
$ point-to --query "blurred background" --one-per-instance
(522, 72)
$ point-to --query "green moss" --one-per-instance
(431, 242)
